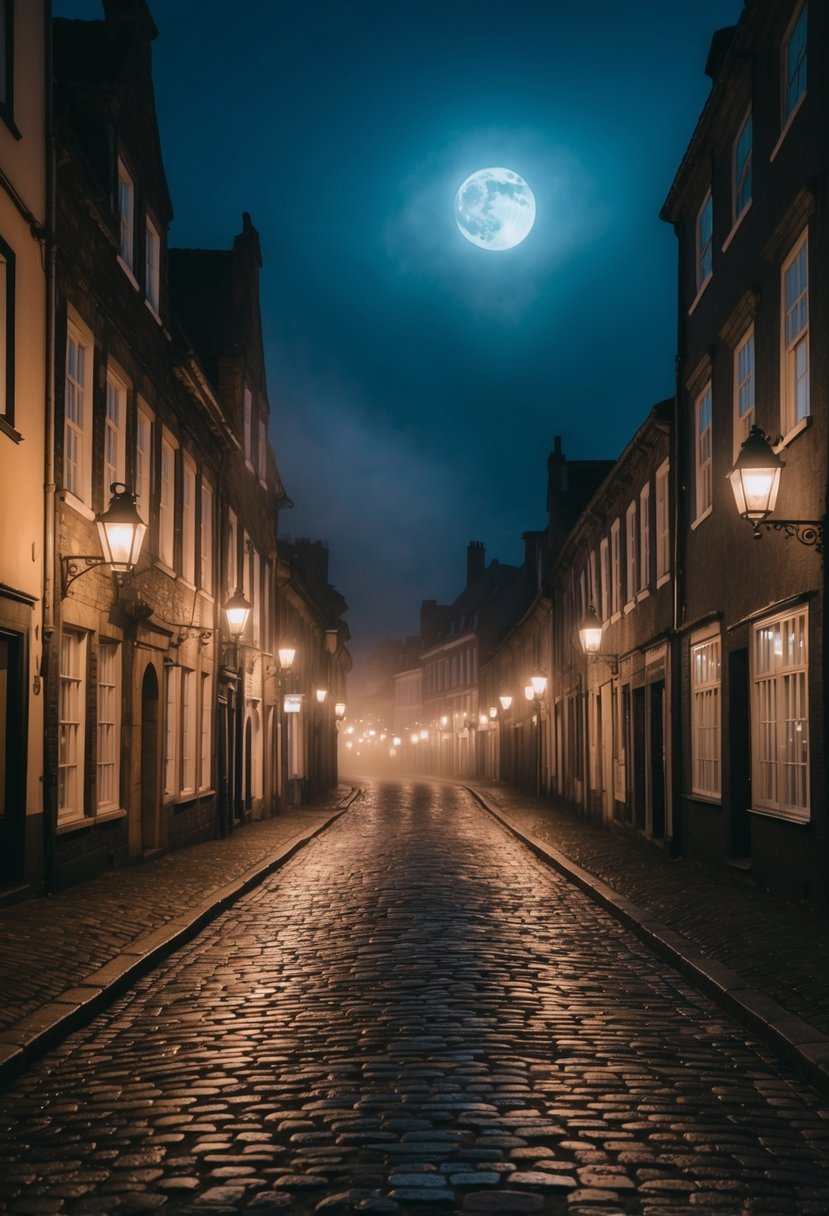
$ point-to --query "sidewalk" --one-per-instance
(765, 961)
(64, 956)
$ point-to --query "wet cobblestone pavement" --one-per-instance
(414, 1015)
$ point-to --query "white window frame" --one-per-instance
(115, 432)
(126, 217)
(248, 428)
(703, 454)
(745, 391)
(7, 332)
(615, 569)
(205, 734)
(262, 452)
(604, 574)
(152, 265)
(706, 714)
(663, 523)
(780, 715)
(144, 427)
(188, 519)
(794, 337)
(232, 552)
(167, 500)
(172, 704)
(644, 539)
(794, 74)
(631, 556)
(741, 172)
(108, 758)
(71, 725)
(189, 741)
(206, 538)
(593, 595)
(704, 231)
(77, 430)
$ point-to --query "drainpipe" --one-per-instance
(50, 809)
(678, 559)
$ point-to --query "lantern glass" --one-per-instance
(755, 478)
(506, 701)
(539, 684)
(287, 654)
(237, 612)
(322, 693)
(590, 632)
(529, 692)
(339, 709)
(493, 712)
(121, 530)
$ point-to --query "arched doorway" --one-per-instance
(150, 801)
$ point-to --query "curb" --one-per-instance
(803, 1047)
(41, 1030)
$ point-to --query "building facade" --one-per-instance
(750, 209)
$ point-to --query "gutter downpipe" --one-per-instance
(678, 546)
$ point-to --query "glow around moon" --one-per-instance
(495, 209)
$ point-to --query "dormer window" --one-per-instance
(126, 216)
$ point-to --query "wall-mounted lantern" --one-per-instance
(120, 533)
(237, 612)
(755, 481)
(590, 633)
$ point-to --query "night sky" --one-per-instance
(417, 381)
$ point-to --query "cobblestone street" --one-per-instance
(414, 1015)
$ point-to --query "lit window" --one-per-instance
(742, 168)
(6, 332)
(71, 702)
(188, 732)
(188, 521)
(152, 265)
(143, 461)
(205, 750)
(615, 568)
(795, 308)
(706, 717)
(644, 538)
(703, 453)
(126, 215)
(663, 524)
(77, 427)
(743, 389)
(780, 715)
(794, 64)
(109, 726)
(206, 545)
(115, 434)
(631, 539)
(167, 503)
(171, 731)
(705, 237)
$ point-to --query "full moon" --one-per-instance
(495, 209)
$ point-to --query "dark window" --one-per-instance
(7, 339)
(7, 63)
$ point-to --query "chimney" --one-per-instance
(475, 561)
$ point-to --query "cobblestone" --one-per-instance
(413, 1015)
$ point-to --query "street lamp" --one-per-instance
(322, 693)
(506, 701)
(286, 654)
(237, 611)
(339, 710)
(590, 633)
(120, 533)
(755, 481)
(534, 692)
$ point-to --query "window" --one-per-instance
(7, 62)
(705, 717)
(206, 542)
(248, 424)
(77, 426)
(644, 538)
(743, 389)
(594, 587)
(115, 434)
(705, 236)
(205, 749)
(171, 730)
(232, 553)
(742, 169)
(143, 461)
(794, 64)
(631, 539)
(109, 726)
(780, 715)
(188, 732)
(71, 702)
(663, 525)
(6, 332)
(262, 452)
(604, 572)
(255, 594)
(188, 520)
(702, 449)
(126, 216)
(615, 568)
(167, 503)
(795, 360)
(152, 265)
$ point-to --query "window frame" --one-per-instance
(206, 530)
(167, 508)
(152, 267)
(76, 677)
(189, 741)
(789, 421)
(765, 748)
(743, 420)
(189, 483)
(115, 433)
(790, 105)
(706, 714)
(108, 753)
(631, 555)
(662, 507)
(703, 455)
(615, 569)
(79, 492)
(126, 217)
(7, 94)
(247, 427)
(604, 578)
(704, 246)
(262, 453)
(742, 173)
(205, 762)
(144, 417)
(7, 338)
(644, 540)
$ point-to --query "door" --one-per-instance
(150, 771)
(657, 764)
(12, 758)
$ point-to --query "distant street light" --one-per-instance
(755, 481)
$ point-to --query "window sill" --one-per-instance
(249, 466)
(663, 579)
(642, 595)
(799, 819)
(7, 429)
(153, 311)
(127, 269)
(700, 294)
(791, 435)
(86, 822)
(787, 126)
(707, 799)
(77, 504)
(615, 616)
(186, 582)
(629, 606)
(164, 568)
(700, 518)
(737, 225)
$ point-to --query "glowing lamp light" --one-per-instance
(506, 702)
(121, 529)
(493, 712)
(322, 693)
(287, 654)
(396, 740)
(424, 734)
(483, 720)
(339, 710)
(539, 684)
(415, 738)
(755, 478)
(237, 611)
(444, 721)
(590, 632)
(529, 692)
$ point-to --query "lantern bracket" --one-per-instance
(77, 564)
(808, 532)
